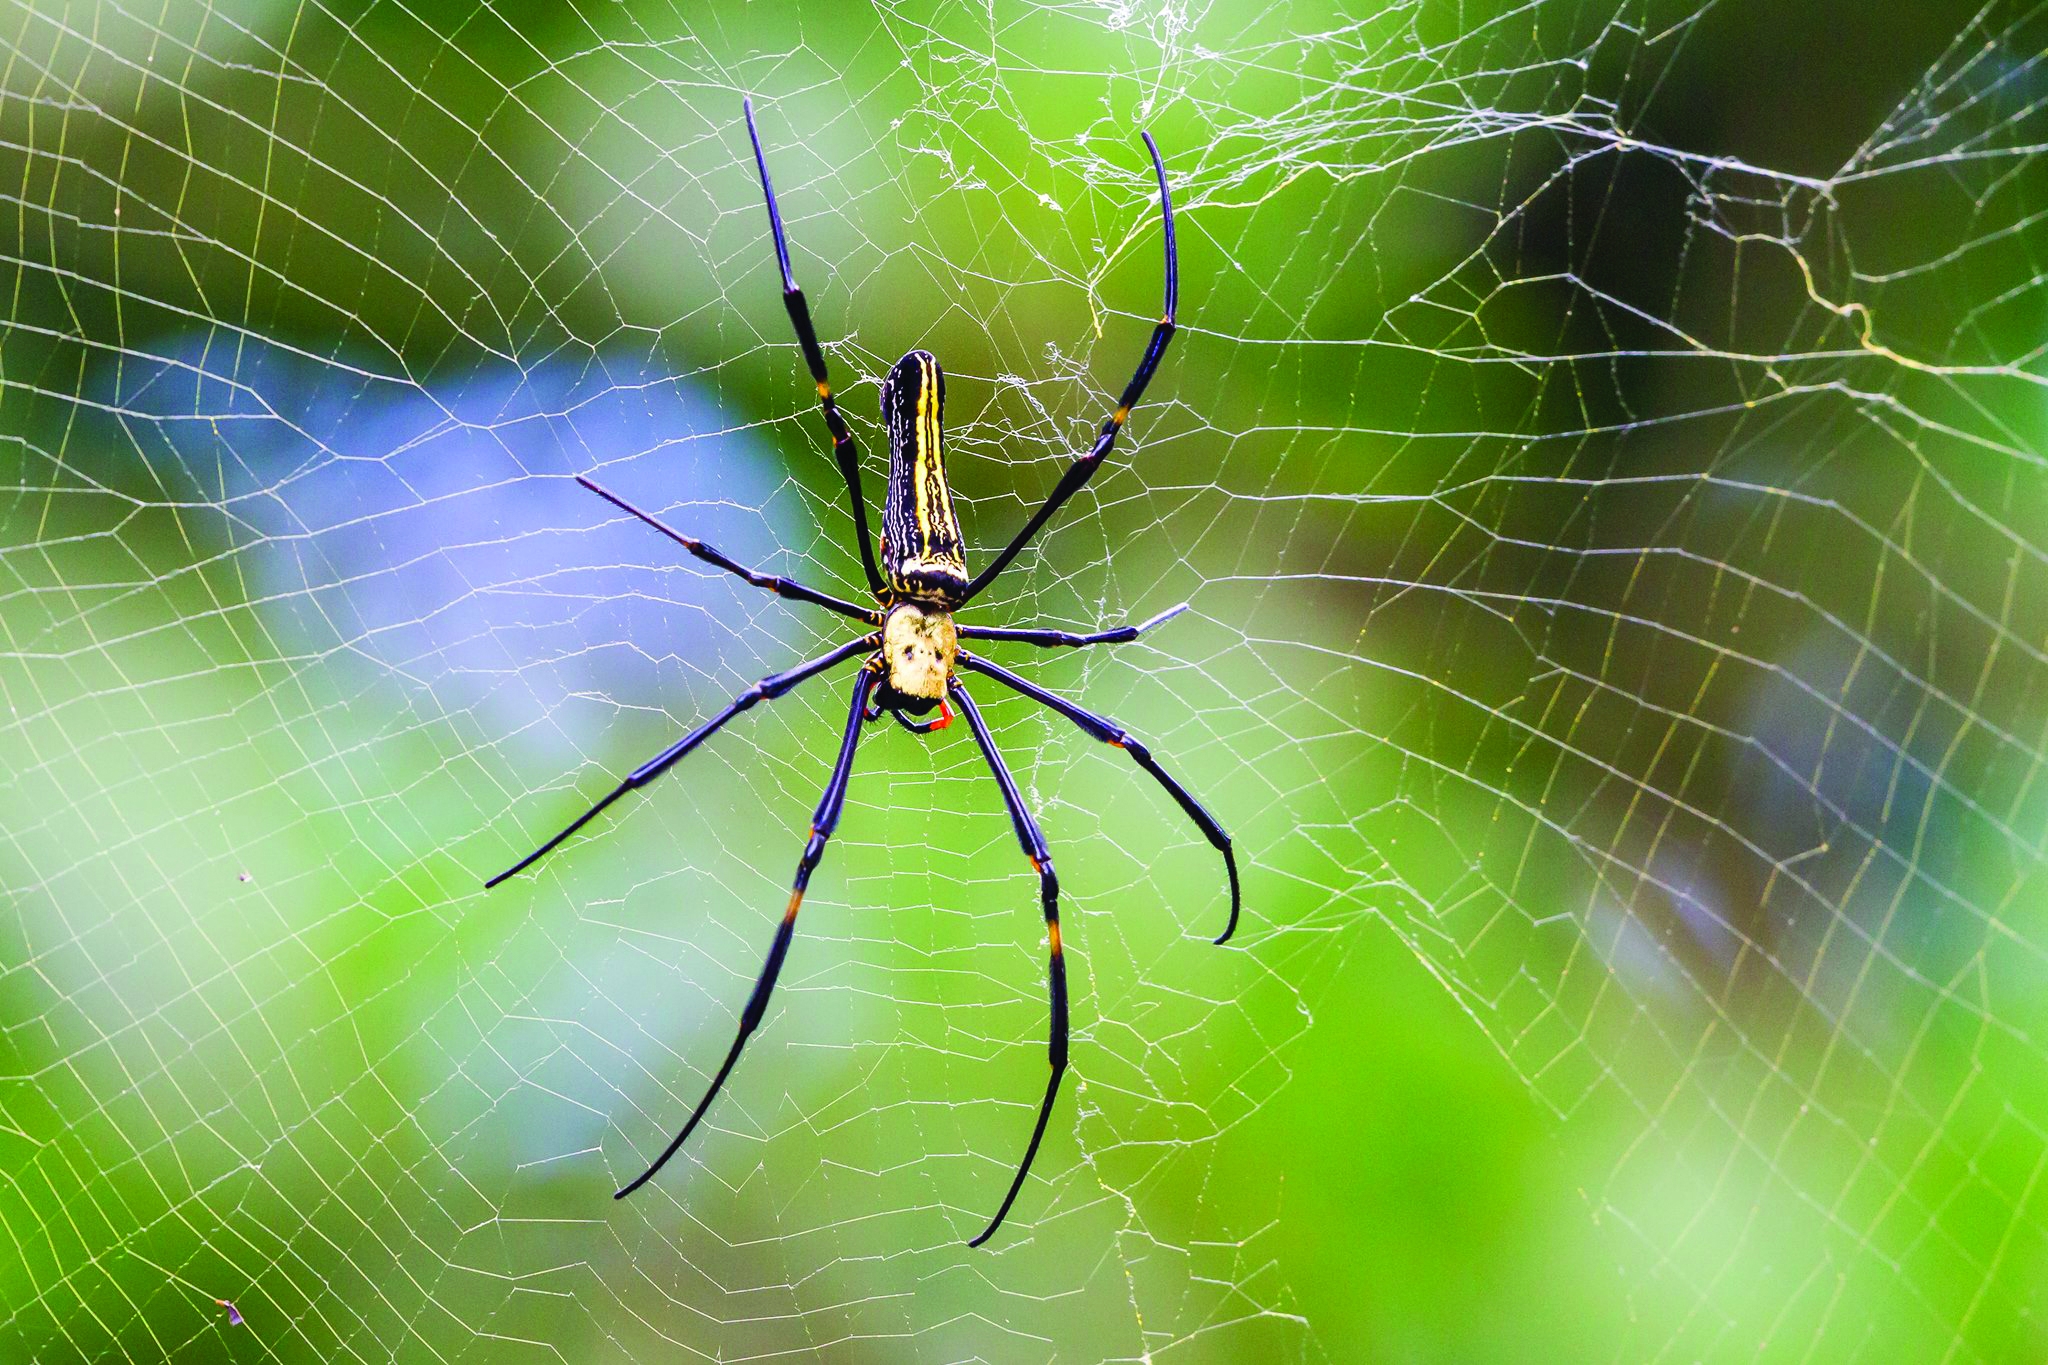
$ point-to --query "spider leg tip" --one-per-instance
(1163, 617)
(1228, 929)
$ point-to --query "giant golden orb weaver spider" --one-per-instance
(914, 655)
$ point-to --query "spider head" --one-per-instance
(918, 647)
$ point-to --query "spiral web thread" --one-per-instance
(1617, 567)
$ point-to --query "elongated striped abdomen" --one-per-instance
(921, 548)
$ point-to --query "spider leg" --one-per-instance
(822, 823)
(1084, 468)
(844, 450)
(781, 587)
(767, 689)
(1109, 732)
(1066, 638)
(1033, 842)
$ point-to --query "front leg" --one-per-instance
(1083, 468)
(844, 450)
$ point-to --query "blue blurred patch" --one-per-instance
(433, 531)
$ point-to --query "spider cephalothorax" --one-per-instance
(919, 645)
(913, 647)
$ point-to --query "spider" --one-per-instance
(914, 655)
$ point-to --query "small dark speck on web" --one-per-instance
(234, 1314)
(242, 877)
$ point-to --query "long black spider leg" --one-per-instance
(1066, 638)
(1084, 468)
(781, 587)
(822, 823)
(767, 689)
(1049, 893)
(844, 450)
(1109, 732)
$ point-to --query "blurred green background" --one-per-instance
(1602, 453)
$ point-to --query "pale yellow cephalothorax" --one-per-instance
(918, 648)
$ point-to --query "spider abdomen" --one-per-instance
(921, 546)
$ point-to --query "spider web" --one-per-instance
(1611, 510)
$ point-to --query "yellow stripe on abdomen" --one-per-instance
(921, 541)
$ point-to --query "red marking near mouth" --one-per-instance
(945, 715)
